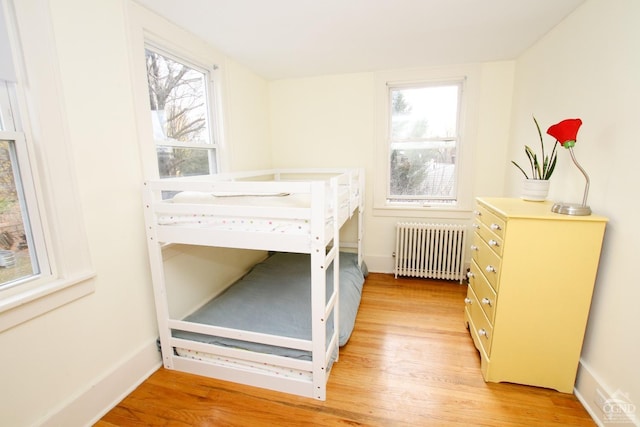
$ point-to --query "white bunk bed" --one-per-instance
(295, 211)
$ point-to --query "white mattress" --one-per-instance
(244, 364)
(272, 225)
(246, 223)
(244, 199)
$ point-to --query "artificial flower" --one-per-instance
(566, 132)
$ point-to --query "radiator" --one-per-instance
(435, 251)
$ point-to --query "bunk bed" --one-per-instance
(279, 327)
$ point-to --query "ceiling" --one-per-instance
(297, 38)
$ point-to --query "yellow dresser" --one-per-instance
(530, 285)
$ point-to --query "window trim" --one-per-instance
(383, 81)
(148, 29)
(43, 121)
(459, 83)
(210, 73)
(30, 209)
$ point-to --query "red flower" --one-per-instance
(566, 132)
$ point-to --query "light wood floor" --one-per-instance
(410, 362)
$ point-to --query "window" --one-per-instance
(45, 259)
(22, 250)
(424, 127)
(17, 262)
(178, 83)
(183, 131)
(423, 143)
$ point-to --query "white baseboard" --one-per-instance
(386, 264)
(607, 408)
(86, 408)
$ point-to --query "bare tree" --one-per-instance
(11, 224)
(176, 90)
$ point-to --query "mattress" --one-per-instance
(275, 298)
(249, 201)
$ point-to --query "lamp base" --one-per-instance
(571, 209)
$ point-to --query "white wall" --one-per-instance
(330, 121)
(51, 360)
(589, 67)
(247, 119)
(67, 366)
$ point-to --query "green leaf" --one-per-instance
(552, 166)
(539, 135)
(540, 171)
(521, 170)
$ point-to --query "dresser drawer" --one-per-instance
(491, 220)
(483, 291)
(493, 240)
(488, 261)
(479, 326)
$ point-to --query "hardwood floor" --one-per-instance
(410, 362)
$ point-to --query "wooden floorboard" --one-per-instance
(410, 362)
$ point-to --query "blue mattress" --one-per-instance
(275, 298)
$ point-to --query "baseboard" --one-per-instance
(605, 407)
(86, 408)
(386, 264)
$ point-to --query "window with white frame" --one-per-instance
(18, 260)
(421, 119)
(45, 260)
(23, 255)
(423, 139)
(177, 89)
(180, 101)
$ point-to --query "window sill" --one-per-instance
(433, 212)
(33, 302)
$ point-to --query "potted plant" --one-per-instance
(535, 186)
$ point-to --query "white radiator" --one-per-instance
(430, 250)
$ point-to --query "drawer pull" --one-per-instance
(490, 269)
(493, 243)
(473, 248)
(495, 226)
(477, 213)
(483, 333)
(470, 275)
(476, 226)
(486, 301)
(467, 300)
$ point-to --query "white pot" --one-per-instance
(535, 190)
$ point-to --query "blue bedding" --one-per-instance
(275, 298)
